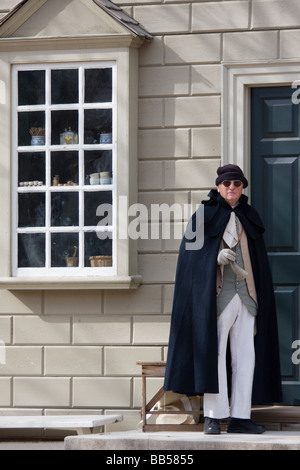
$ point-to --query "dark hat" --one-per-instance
(230, 172)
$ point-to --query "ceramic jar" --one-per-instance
(37, 140)
(105, 177)
(105, 138)
(94, 178)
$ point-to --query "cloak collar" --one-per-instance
(217, 212)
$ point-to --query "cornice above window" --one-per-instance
(110, 41)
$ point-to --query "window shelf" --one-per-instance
(65, 283)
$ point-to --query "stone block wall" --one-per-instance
(76, 351)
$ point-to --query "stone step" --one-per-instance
(183, 441)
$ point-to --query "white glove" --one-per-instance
(225, 256)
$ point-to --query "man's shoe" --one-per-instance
(211, 426)
(246, 426)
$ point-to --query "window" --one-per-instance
(64, 161)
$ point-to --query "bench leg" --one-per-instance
(95, 430)
(81, 431)
(98, 430)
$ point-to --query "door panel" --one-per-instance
(275, 193)
(280, 177)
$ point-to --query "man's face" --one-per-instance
(231, 193)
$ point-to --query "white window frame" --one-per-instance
(48, 188)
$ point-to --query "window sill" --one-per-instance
(65, 283)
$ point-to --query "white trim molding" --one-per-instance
(237, 80)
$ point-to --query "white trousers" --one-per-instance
(238, 323)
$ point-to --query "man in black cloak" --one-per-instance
(224, 301)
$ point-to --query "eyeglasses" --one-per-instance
(236, 183)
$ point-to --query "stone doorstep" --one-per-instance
(193, 441)
(83, 424)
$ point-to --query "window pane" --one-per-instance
(64, 127)
(98, 85)
(31, 168)
(95, 247)
(30, 126)
(64, 249)
(32, 209)
(31, 250)
(92, 201)
(96, 121)
(99, 161)
(31, 87)
(64, 168)
(64, 209)
(64, 86)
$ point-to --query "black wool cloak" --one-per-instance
(192, 362)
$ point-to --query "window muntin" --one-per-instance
(64, 160)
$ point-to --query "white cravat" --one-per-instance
(231, 238)
(230, 235)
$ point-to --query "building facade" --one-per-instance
(185, 86)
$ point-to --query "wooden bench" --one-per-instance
(157, 369)
(83, 424)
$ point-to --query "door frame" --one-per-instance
(237, 80)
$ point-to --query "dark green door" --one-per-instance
(275, 193)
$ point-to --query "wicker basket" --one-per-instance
(100, 261)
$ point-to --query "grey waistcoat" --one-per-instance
(232, 285)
